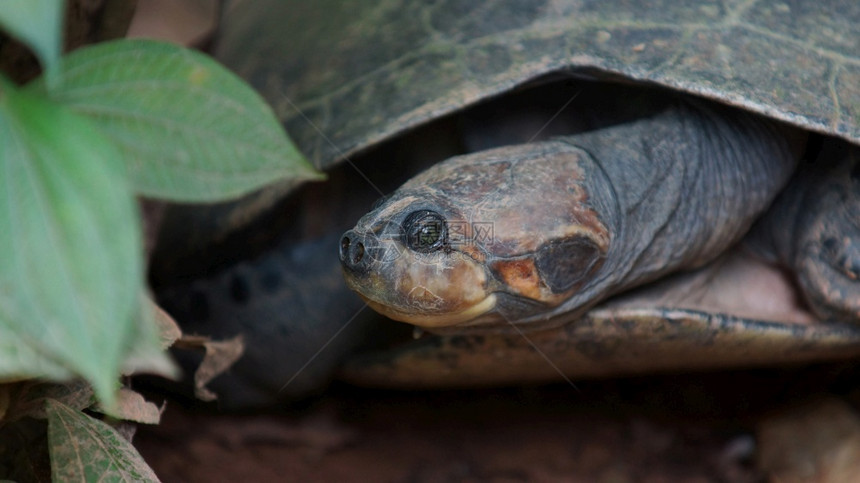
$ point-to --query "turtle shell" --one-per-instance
(345, 76)
(606, 342)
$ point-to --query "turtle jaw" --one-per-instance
(432, 321)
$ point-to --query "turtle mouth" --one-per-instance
(434, 320)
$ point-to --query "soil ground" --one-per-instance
(692, 428)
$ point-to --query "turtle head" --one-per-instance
(486, 239)
(405, 259)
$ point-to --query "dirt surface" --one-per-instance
(694, 428)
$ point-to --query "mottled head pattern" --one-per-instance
(486, 238)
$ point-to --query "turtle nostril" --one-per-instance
(344, 248)
(353, 252)
(358, 253)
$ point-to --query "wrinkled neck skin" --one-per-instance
(539, 233)
(686, 185)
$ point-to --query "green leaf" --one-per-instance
(19, 360)
(70, 243)
(85, 449)
(145, 353)
(37, 23)
(190, 129)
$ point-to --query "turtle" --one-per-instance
(589, 189)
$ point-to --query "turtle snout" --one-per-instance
(353, 252)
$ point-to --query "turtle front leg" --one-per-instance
(814, 229)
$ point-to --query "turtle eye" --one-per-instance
(425, 231)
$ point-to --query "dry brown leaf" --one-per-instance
(220, 355)
(131, 406)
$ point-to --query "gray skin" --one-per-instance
(576, 219)
(286, 303)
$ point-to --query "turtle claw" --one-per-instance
(828, 261)
(831, 278)
(844, 256)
